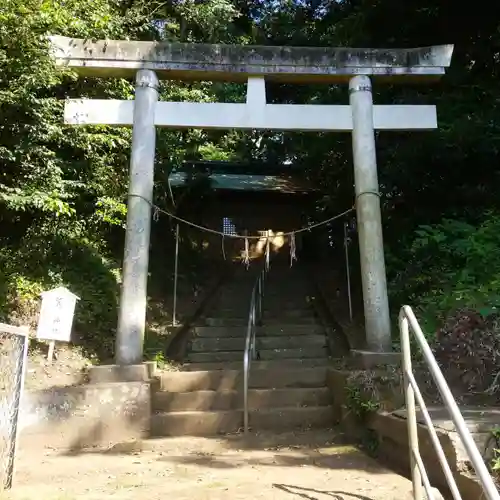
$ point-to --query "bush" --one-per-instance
(467, 348)
(446, 267)
(74, 264)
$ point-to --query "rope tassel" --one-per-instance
(293, 249)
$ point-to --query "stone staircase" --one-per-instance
(287, 381)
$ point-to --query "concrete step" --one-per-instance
(269, 321)
(217, 356)
(268, 378)
(233, 400)
(282, 310)
(263, 343)
(292, 291)
(262, 331)
(206, 423)
(265, 354)
(234, 299)
(222, 321)
(237, 301)
(301, 320)
(258, 365)
(219, 321)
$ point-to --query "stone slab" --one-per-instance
(207, 423)
(182, 61)
(479, 420)
(122, 373)
(238, 344)
(391, 429)
(85, 416)
(366, 360)
(233, 379)
(259, 364)
(258, 399)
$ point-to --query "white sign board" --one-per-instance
(56, 315)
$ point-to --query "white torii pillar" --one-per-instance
(371, 244)
(361, 118)
(133, 301)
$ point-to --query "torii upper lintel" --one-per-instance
(216, 62)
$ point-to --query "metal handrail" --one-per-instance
(254, 319)
(418, 472)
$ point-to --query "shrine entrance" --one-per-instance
(151, 61)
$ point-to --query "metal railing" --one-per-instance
(408, 322)
(254, 319)
(13, 359)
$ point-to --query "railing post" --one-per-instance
(245, 391)
(176, 275)
(259, 301)
(348, 270)
(254, 326)
(411, 415)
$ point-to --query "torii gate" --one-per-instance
(149, 61)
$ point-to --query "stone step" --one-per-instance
(262, 331)
(288, 314)
(278, 310)
(265, 354)
(216, 321)
(272, 320)
(243, 320)
(239, 300)
(233, 400)
(263, 343)
(206, 423)
(258, 365)
(293, 291)
(269, 378)
(302, 320)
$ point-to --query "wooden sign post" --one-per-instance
(56, 317)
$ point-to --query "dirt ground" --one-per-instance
(71, 363)
(67, 369)
(308, 465)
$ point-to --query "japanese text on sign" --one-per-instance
(56, 315)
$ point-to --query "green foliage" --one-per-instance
(448, 266)
(63, 189)
(359, 403)
(494, 459)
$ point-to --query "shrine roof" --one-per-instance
(235, 176)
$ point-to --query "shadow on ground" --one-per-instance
(327, 449)
(312, 494)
